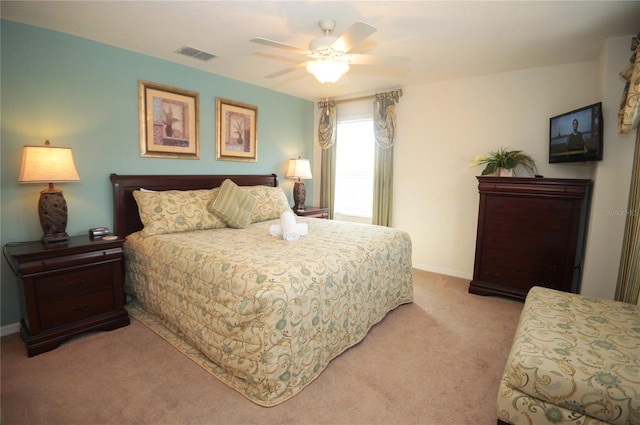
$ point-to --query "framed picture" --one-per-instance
(169, 121)
(236, 131)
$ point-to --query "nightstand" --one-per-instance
(68, 288)
(315, 212)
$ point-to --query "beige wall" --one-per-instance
(612, 180)
(436, 196)
(443, 125)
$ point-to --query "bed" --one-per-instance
(268, 313)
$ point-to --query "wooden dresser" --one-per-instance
(531, 232)
(68, 288)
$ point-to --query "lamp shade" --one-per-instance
(45, 164)
(327, 70)
(299, 168)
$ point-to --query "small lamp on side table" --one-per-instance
(299, 168)
(46, 164)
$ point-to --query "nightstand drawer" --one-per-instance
(70, 284)
(38, 265)
(324, 215)
(313, 212)
(72, 309)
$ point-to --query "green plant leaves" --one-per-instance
(503, 158)
(490, 168)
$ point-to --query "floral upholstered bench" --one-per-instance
(574, 360)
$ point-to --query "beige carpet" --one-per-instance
(436, 361)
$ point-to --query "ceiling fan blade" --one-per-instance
(364, 59)
(354, 35)
(276, 57)
(285, 71)
(277, 44)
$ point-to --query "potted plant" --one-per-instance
(504, 159)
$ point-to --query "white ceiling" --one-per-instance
(443, 39)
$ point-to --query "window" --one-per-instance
(355, 151)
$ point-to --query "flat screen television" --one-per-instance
(576, 136)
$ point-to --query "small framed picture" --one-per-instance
(169, 121)
(236, 131)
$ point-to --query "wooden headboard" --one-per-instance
(126, 218)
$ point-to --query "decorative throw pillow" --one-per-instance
(271, 202)
(233, 205)
(173, 211)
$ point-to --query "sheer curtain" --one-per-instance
(628, 286)
(384, 122)
(327, 124)
(354, 163)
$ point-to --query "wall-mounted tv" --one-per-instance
(576, 136)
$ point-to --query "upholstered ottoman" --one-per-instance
(574, 360)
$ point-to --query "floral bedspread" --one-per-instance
(271, 313)
(574, 360)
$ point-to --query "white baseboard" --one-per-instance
(454, 273)
(14, 328)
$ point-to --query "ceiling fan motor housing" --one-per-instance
(327, 25)
(322, 45)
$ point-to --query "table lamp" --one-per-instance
(46, 164)
(299, 168)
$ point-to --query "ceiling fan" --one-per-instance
(329, 57)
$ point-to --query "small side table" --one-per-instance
(68, 288)
(315, 212)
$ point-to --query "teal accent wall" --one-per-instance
(84, 95)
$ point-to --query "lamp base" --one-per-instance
(299, 195)
(55, 238)
(52, 209)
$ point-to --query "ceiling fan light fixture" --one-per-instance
(327, 70)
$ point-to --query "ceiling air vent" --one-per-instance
(196, 53)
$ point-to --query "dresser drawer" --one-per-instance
(76, 283)
(519, 225)
(525, 277)
(68, 310)
(524, 259)
(529, 208)
(538, 244)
